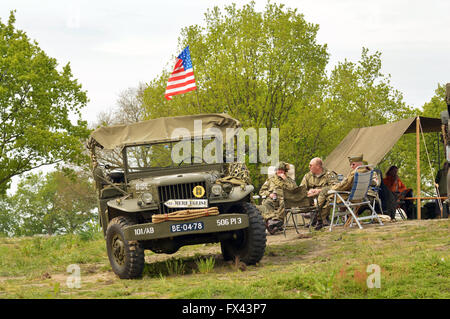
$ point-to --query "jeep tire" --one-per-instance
(247, 244)
(126, 257)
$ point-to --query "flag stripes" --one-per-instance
(182, 79)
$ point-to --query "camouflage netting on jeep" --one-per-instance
(91, 145)
(237, 174)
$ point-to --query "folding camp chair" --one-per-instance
(292, 201)
(357, 197)
(293, 212)
(376, 190)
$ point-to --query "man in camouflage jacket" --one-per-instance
(318, 180)
(272, 208)
(324, 199)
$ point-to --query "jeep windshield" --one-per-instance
(173, 154)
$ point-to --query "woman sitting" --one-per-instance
(395, 185)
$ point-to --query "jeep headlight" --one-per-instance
(216, 189)
(147, 198)
(227, 188)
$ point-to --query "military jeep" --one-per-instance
(159, 200)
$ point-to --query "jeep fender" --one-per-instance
(237, 193)
(129, 205)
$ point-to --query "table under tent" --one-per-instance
(375, 142)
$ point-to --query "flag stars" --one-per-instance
(185, 56)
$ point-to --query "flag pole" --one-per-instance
(418, 167)
(196, 93)
(198, 103)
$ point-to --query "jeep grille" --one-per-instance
(178, 191)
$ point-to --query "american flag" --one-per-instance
(182, 78)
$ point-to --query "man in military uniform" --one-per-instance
(318, 180)
(324, 199)
(272, 208)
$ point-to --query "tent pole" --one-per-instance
(418, 166)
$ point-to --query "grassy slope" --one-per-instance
(413, 256)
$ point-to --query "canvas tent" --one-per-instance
(375, 142)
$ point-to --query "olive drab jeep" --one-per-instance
(162, 193)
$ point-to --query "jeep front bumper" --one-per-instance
(203, 225)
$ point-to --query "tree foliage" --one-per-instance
(268, 70)
(356, 95)
(260, 67)
(256, 65)
(60, 202)
(8, 220)
(36, 102)
(432, 153)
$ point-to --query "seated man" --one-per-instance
(272, 208)
(324, 199)
(316, 180)
(395, 185)
(441, 184)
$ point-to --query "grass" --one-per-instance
(413, 259)
(205, 265)
(33, 256)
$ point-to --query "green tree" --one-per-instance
(267, 70)
(359, 95)
(403, 154)
(60, 202)
(33, 205)
(36, 101)
(255, 65)
(434, 141)
(437, 103)
(75, 199)
(260, 67)
(8, 219)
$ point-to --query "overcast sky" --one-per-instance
(113, 45)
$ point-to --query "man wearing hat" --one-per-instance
(324, 199)
(272, 208)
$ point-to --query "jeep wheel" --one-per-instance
(247, 244)
(126, 257)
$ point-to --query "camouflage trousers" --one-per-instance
(323, 202)
(275, 209)
(272, 209)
